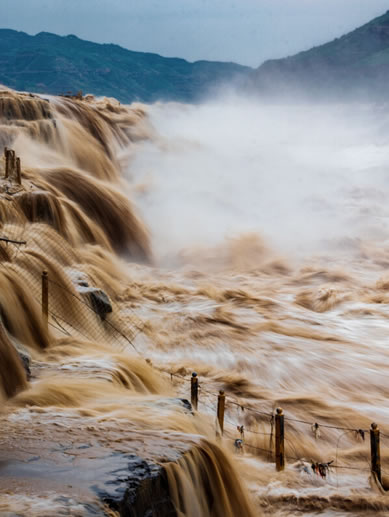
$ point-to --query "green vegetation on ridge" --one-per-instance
(47, 63)
(356, 64)
(353, 66)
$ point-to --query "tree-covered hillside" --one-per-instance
(48, 63)
(355, 65)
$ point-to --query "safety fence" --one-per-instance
(278, 432)
(71, 301)
(98, 304)
(36, 248)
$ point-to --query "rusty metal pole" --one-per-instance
(280, 439)
(5, 162)
(375, 451)
(45, 298)
(6, 155)
(11, 164)
(18, 171)
(221, 402)
(194, 390)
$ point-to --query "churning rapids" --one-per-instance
(248, 243)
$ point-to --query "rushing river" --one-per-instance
(256, 256)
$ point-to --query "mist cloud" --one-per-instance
(305, 177)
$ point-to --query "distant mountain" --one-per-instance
(353, 66)
(47, 63)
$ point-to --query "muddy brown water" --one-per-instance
(302, 326)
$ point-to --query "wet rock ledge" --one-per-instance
(85, 467)
(143, 491)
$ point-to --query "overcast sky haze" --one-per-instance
(245, 31)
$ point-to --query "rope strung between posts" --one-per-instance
(247, 430)
(201, 388)
(318, 467)
(316, 426)
(296, 458)
(327, 426)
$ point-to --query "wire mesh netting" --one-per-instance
(78, 304)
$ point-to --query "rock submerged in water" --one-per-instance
(140, 490)
(122, 469)
(98, 299)
(24, 357)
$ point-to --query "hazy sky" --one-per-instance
(246, 31)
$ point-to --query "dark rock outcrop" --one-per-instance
(97, 298)
(141, 490)
(26, 361)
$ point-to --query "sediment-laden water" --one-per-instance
(246, 243)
